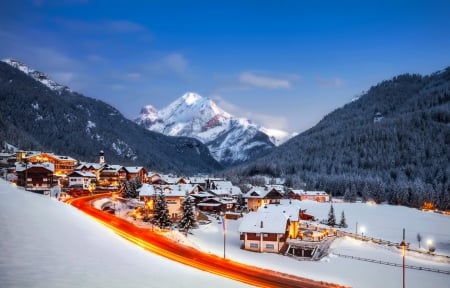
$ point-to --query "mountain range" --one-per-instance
(390, 144)
(231, 140)
(40, 114)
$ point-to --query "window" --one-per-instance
(253, 245)
(270, 246)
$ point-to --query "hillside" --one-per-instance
(393, 143)
(38, 116)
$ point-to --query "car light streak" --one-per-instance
(189, 256)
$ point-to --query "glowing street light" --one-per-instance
(363, 229)
(430, 245)
(403, 247)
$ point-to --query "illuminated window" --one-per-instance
(270, 246)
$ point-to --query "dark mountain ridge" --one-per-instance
(393, 144)
(35, 117)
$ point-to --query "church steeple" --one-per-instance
(102, 157)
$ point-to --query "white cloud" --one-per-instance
(133, 75)
(175, 62)
(270, 121)
(263, 82)
(335, 82)
(105, 26)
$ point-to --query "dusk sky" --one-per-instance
(283, 64)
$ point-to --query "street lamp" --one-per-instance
(403, 247)
(430, 245)
(363, 229)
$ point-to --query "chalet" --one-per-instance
(37, 177)
(291, 211)
(318, 196)
(259, 196)
(111, 176)
(94, 168)
(174, 194)
(225, 189)
(161, 179)
(82, 179)
(6, 159)
(264, 231)
(136, 172)
(217, 204)
(63, 165)
(201, 196)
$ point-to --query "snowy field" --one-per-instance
(46, 243)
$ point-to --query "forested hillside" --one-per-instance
(392, 144)
(35, 117)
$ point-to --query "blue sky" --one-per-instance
(283, 64)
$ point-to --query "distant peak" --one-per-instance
(191, 98)
(36, 75)
(149, 109)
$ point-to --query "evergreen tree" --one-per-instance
(187, 220)
(161, 216)
(350, 194)
(343, 222)
(331, 217)
(130, 189)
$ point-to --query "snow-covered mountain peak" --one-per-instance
(150, 112)
(191, 98)
(36, 75)
(229, 138)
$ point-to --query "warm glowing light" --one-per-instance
(429, 242)
(363, 230)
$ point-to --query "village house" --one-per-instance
(217, 204)
(224, 188)
(63, 165)
(136, 172)
(264, 231)
(174, 195)
(93, 168)
(291, 211)
(318, 196)
(259, 196)
(111, 176)
(82, 179)
(37, 177)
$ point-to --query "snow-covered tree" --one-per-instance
(161, 216)
(343, 222)
(331, 217)
(187, 221)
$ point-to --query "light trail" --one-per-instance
(189, 256)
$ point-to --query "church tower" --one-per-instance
(102, 157)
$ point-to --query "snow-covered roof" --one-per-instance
(290, 210)
(112, 168)
(87, 165)
(22, 167)
(263, 222)
(202, 194)
(82, 174)
(259, 192)
(227, 186)
(147, 190)
(134, 169)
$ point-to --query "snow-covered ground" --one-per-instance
(46, 243)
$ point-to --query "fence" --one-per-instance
(393, 264)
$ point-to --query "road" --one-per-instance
(190, 256)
